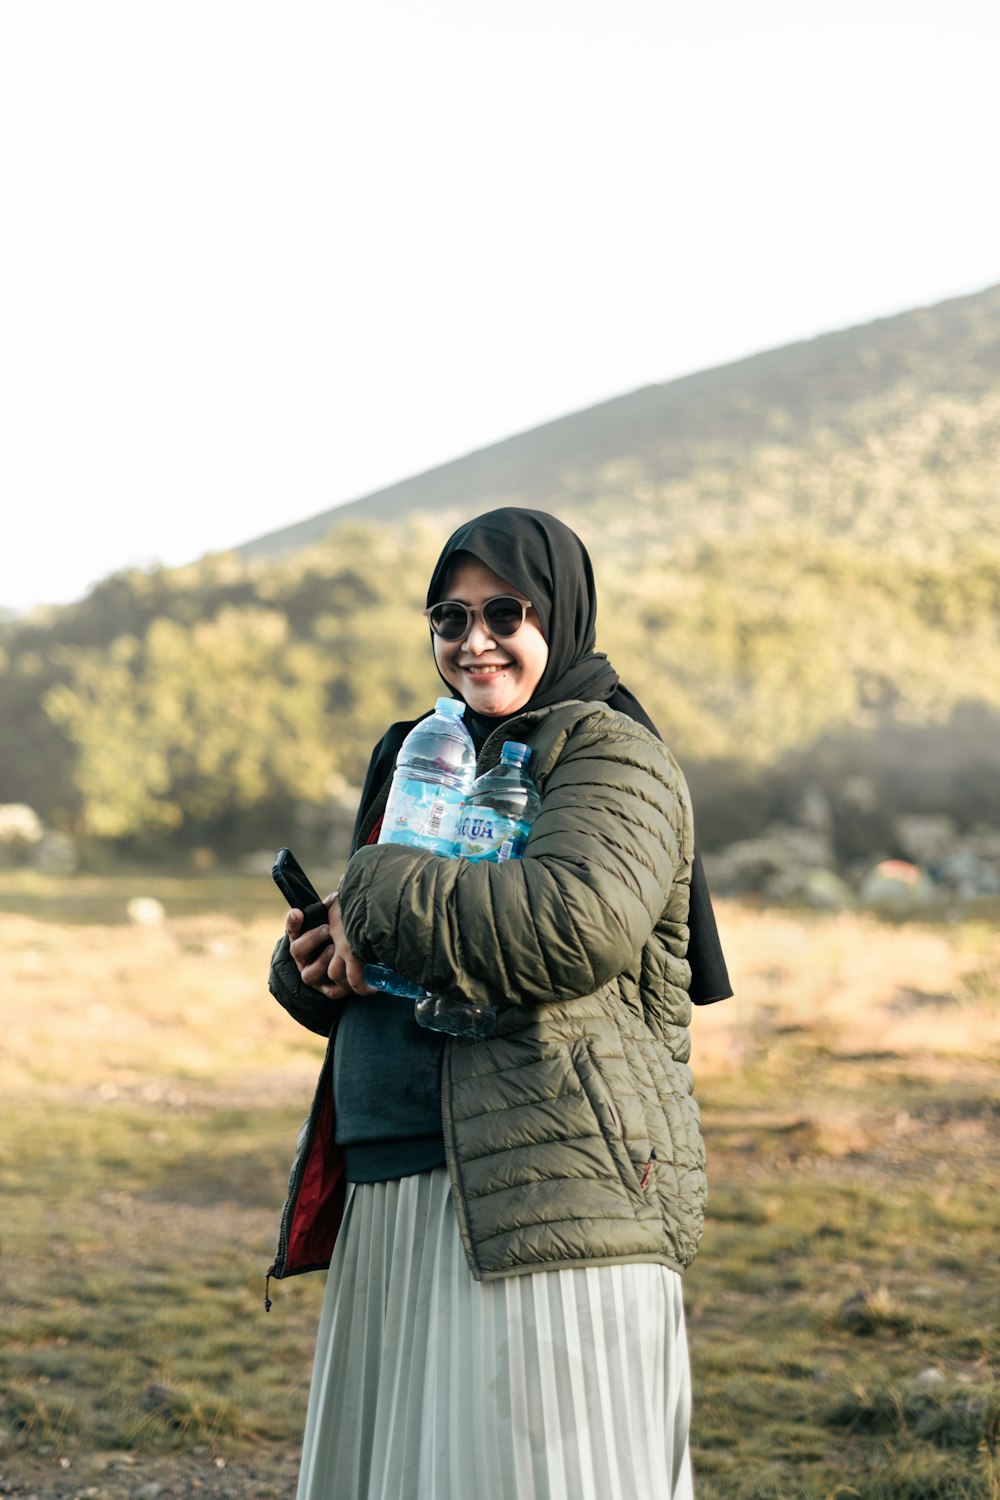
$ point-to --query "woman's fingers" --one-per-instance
(312, 952)
(354, 971)
(342, 967)
(323, 955)
(307, 946)
(316, 971)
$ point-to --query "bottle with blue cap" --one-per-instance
(500, 809)
(433, 775)
(434, 772)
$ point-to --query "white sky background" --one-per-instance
(260, 258)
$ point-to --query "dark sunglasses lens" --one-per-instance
(504, 616)
(449, 621)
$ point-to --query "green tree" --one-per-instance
(194, 722)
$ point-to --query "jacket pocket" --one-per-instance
(597, 1092)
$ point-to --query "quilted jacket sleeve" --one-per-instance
(558, 923)
(307, 1006)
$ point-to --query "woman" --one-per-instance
(503, 1315)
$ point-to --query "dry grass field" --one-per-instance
(842, 1313)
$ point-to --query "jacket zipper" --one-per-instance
(373, 814)
(277, 1267)
(482, 763)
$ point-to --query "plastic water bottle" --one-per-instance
(494, 825)
(500, 808)
(434, 772)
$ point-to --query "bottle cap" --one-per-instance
(452, 708)
(514, 753)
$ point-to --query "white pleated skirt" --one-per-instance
(429, 1385)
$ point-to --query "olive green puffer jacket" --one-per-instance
(572, 1137)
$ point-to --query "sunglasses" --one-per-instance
(502, 616)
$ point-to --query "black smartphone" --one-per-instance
(297, 889)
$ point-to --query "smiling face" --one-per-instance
(494, 676)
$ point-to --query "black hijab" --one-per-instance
(546, 562)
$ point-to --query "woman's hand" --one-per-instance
(323, 955)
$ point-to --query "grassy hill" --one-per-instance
(799, 570)
(887, 434)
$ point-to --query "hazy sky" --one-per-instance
(259, 259)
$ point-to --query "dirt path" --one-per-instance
(269, 1474)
